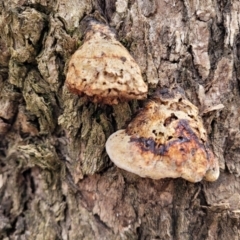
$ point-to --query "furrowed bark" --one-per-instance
(56, 180)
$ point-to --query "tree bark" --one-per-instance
(56, 180)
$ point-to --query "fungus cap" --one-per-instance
(166, 139)
(103, 69)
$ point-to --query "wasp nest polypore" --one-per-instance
(166, 139)
(104, 70)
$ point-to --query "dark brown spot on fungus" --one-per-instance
(170, 119)
(123, 59)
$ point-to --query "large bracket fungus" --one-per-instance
(103, 69)
(165, 139)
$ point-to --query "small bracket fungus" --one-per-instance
(103, 69)
(166, 139)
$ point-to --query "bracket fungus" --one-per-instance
(103, 69)
(165, 139)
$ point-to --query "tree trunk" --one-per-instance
(56, 180)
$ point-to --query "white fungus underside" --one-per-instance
(124, 154)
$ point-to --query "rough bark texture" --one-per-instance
(56, 181)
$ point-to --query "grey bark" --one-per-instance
(56, 181)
